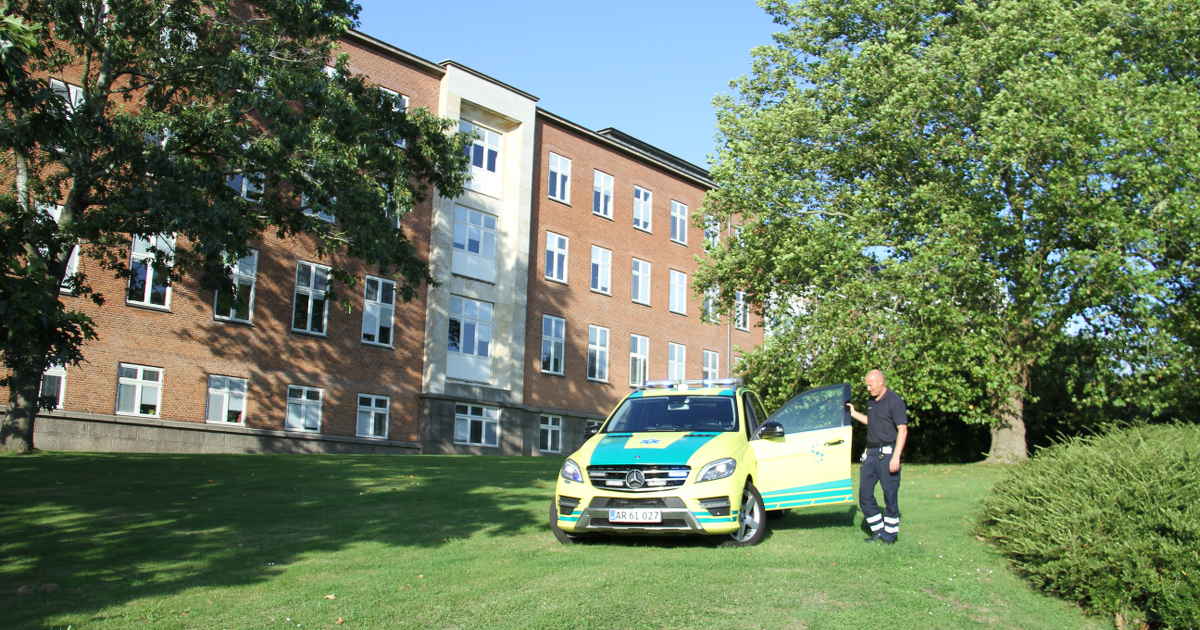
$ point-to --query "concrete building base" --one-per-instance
(79, 431)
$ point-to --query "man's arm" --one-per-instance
(901, 438)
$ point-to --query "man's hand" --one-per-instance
(850, 406)
(856, 414)
(894, 464)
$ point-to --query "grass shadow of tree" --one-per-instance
(111, 528)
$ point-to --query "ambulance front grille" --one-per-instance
(657, 477)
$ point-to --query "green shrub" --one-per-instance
(1109, 521)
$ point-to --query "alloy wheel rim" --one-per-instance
(748, 520)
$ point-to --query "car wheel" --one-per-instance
(563, 537)
(752, 520)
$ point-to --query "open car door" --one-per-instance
(810, 464)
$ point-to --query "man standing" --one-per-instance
(887, 431)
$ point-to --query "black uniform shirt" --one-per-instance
(883, 416)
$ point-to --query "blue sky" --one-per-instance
(649, 68)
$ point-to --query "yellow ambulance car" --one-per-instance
(703, 457)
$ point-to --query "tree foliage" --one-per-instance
(944, 189)
(213, 120)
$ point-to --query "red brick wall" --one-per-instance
(581, 306)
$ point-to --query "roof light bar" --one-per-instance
(692, 383)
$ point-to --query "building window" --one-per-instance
(226, 400)
(139, 390)
(470, 326)
(556, 256)
(379, 299)
(676, 361)
(54, 211)
(712, 233)
(602, 194)
(640, 286)
(54, 386)
(560, 178)
(71, 94)
(474, 244)
(708, 309)
(679, 218)
(597, 369)
(483, 156)
(303, 408)
(475, 425)
(149, 286)
(248, 186)
(237, 303)
(641, 208)
(399, 105)
(550, 434)
(601, 270)
(677, 297)
(553, 343)
(712, 365)
(372, 416)
(741, 313)
(639, 359)
(311, 306)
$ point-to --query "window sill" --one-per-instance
(497, 445)
(677, 242)
(370, 437)
(551, 373)
(135, 415)
(294, 430)
(238, 322)
(149, 307)
(646, 304)
(642, 229)
(309, 333)
(677, 313)
(555, 280)
(225, 424)
(378, 345)
(562, 201)
(606, 217)
(596, 380)
(607, 293)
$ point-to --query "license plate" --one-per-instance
(635, 516)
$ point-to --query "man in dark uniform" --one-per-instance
(887, 431)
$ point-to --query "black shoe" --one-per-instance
(873, 538)
(887, 541)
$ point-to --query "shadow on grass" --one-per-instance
(106, 529)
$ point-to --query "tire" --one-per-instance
(560, 535)
(752, 520)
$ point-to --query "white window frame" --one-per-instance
(741, 312)
(679, 220)
(643, 209)
(598, 346)
(402, 107)
(708, 308)
(54, 211)
(550, 434)
(475, 242)
(639, 286)
(225, 390)
(601, 276)
(557, 257)
(554, 340)
(639, 359)
(602, 194)
(559, 185)
(465, 416)
(485, 148)
(243, 272)
(712, 365)
(479, 317)
(163, 243)
(59, 371)
(676, 361)
(373, 410)
(677, 292)
(71, 94)
(379, 306)
(712, 233)
(140, 384)
(313, 294)
(306, 403)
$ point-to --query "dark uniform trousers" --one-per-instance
(875, 470)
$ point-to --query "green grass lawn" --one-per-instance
(303, 541)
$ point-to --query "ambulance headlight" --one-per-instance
(570, 472)
(718, 469)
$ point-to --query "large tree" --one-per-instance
(945, 188)
(211, 120)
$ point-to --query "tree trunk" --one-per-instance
(1008, 434)
(16, 433)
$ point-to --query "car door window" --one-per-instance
(752, 416)
(816, 409)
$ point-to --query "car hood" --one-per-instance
(679, 448)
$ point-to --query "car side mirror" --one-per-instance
(771, 430)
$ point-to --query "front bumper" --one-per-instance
(710, 507)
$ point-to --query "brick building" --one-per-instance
(563, 274)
